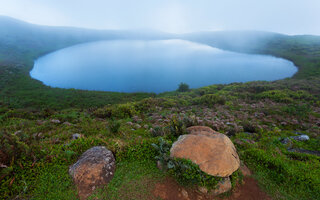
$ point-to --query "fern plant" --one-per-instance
(163, 150)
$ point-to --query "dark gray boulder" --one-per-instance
(94, 168)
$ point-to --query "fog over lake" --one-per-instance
(153, 66)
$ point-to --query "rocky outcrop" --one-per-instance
(212, 151)
(94, 168)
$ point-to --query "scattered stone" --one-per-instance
(76, 136)
(159, 165)
(55, 121)
(203, 190)
(286, 141)
(40, 122)
(94, 168)
(67, 123)
(130, 123)
(18, 132)
(37, 135)
(185, 194)
(223, 186)
(300, 138)
(137, 126)
(146, 126)
(212, 151)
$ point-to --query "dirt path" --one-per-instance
(170, 190)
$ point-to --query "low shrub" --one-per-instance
(210, 100)
(297, 109)
(119, 111)
(183, 87)
(114, 126)
(176, 128)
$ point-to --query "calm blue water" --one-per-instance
(153, 66)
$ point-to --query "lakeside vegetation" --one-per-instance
(37, 122)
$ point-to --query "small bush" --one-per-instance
(183, 87)
(120, 111)
(114, 126)
(249, 127)
(210, 100)
(176, 128)
(158, 131)
(297, 109)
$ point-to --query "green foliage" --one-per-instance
(176, 128)
(183, 87)
(277, 95)
(249, 127)
(158, 131)
(119, 111)
(54, 183)
(69, 115)
(132, 180)
(210, 100)
(163, 149)
(286, 96)
(114, 126)
(188, 173)
(14, 146)
(236, 177)
(297, 109)
(296, 177)
(141, 151)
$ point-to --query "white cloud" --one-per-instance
(285, 16)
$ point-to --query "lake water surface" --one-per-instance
(153, 66)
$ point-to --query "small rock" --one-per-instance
(184, 193)
(146, 126)
(18, 132)
(55, 121)
(300, 138)
(223, 186)
(286, 141)
(137, 126)
(67, 123)
(130, 123)
(203, 190)
(76, 136)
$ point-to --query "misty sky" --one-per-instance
(178, 16)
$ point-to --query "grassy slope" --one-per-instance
(38, 156)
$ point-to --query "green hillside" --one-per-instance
(37, 122)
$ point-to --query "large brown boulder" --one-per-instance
(212, 151)
(94, 168)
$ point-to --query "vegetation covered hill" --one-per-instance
(37, 123)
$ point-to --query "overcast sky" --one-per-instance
(178, 16)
